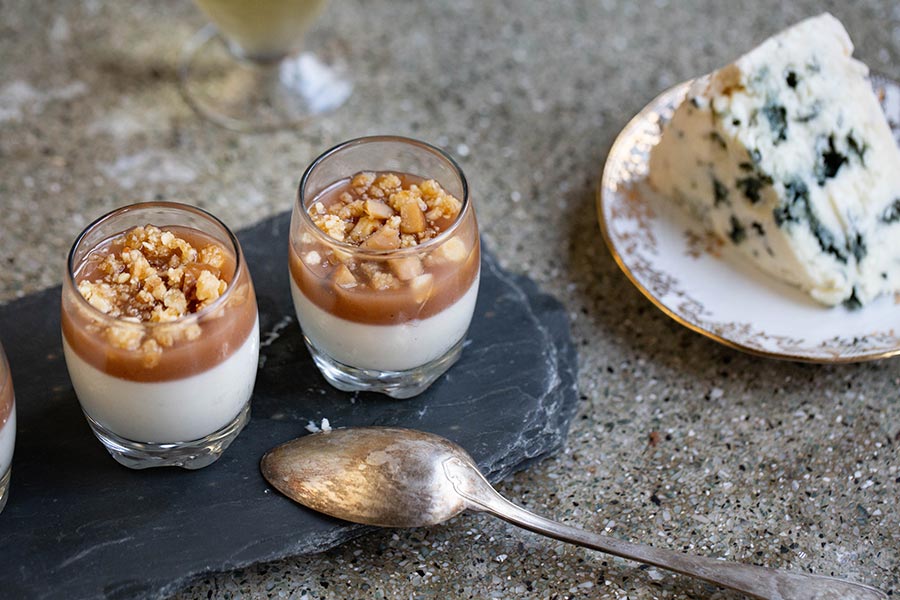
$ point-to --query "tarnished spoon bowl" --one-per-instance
(371, 475)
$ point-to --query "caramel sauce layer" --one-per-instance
(7, 398)
(384, 290)
(386, 307)
(186, 346)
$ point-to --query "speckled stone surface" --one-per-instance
(679, 442)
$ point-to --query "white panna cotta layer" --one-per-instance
(7, 441)
(385, 347)
(180, 410)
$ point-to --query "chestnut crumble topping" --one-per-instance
(150, 275)
(380, 212)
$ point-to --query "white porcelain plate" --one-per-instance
(709, 287)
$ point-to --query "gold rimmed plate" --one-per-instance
(705, 284)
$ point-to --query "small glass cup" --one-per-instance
(394, 341)
(7, 427)
(185, 405)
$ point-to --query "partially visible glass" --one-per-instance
(186, 404)
(395, 341)
(7, 427)
(249, 70)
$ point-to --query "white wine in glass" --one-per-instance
(249, 69)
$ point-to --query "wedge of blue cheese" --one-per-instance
(786, 154)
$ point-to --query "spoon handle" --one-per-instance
(760, 582)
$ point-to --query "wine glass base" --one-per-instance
(251, 97)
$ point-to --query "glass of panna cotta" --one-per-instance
(384, 264)
(253, 68)
(7, 427)
(161, 334)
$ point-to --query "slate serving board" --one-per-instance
(78, 525)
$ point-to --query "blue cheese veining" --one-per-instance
(787, 154)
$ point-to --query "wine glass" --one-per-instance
(248, 69)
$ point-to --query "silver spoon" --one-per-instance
(404, 478)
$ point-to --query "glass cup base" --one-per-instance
(396, 384)
(248, 96)
(4, 488)
(192, 455)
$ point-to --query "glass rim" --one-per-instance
(187, 319)
(372, 253)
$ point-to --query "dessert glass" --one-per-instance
(7, 427)
(395, 341)
(245, 71)
(186, 402)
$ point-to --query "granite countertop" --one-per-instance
(678, 441)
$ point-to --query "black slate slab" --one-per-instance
(78, 525)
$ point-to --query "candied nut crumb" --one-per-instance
(361, 182)
(123, 336)
(100, 295)
(333, 225)
(209, 287)
(421, 286)
(312, 258)
(152, 352)
(385, 238)
(380, 202)
(213, 256)
(406, 268)
(388, 182)
(379, 210)
(383, 281)
(378, 279)
(176, 300)
(400, 199)
(453, 250)
(352, 210)
(344, 278)
(165, 336)
(412, 219)
(364, 228)
(369, 269)
(152, 276)
(383, 211)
